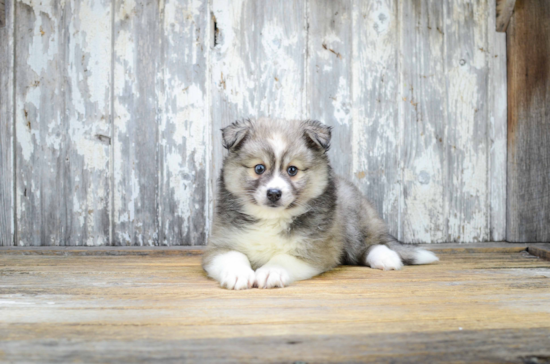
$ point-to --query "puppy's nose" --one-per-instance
(274, 195)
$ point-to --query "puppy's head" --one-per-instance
(276, 166)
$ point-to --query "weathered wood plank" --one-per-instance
(184, 122)
(7, 176)
(528, 51)
(103, 250)
(497, 101)
(41, 148)
(404, 100)
(466, 66)
(422, 102)
(504, 11)
(87, 119)
(257, 64)
(377, 135)
(461, 346)
(540, 250)
(62, 122)
(486, 247)
(329, 76)
(136, 123)
(474, 307)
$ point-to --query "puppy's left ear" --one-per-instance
(317, 134)
(235, 134)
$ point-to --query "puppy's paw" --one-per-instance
(382, 257)
(271, 277)
(237, 278)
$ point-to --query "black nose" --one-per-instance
(274, 195)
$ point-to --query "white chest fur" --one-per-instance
(265, 239)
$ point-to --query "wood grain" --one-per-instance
(490, 247)
(62, 122)
(258, 64)
(87, 121)
(376, 132)
(505, 9)
(498, 128)
(329, 78)
(41, 195)
(7, 176)
(540, 250)
(528, 50)
(475, 307)
(466, 65)
(119, 107)
(136, 123)
(423, 158)
(184, 122)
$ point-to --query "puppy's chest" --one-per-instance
(261, 241)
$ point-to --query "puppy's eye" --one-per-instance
(292, 171)
(259, 168)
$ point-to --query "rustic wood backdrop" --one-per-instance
(110, 111)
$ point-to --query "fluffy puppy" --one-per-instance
(283, 215)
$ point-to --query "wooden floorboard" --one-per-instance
(473, 306)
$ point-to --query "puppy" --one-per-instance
(282, 214)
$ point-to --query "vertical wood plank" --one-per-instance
(376, 130)
(329, 75)
(136, 120)
(87, 120)
(280, 57)
(497, 101)
(62, 127)
(528, 50)
(423, 96)
(41, 146)
(233, 70)
(467, 150)
(184, 125)
(7, 227)
(258, 63)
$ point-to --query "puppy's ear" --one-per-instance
(317, 135)
(235, 134)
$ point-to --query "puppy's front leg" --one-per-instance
(281, 270)
(230, 268)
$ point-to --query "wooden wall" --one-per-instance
(111, 111)
(529, 122)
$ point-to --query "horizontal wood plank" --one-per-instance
(540, 250)
(489, 307)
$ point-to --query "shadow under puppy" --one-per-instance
(283, 215)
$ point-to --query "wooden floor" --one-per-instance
(475, 305)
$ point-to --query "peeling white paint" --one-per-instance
(437, 173)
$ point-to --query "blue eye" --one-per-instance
(259, 168)
(292, 171)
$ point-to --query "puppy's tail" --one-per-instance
(411, 254)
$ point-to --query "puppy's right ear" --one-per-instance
(317, 135)
(235, 134)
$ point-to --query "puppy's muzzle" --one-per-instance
(274, 195)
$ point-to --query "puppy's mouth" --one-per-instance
(273, 204)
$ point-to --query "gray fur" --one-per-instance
(335, 225)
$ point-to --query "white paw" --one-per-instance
(237, 278)
(382, 257)
(271, 277)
